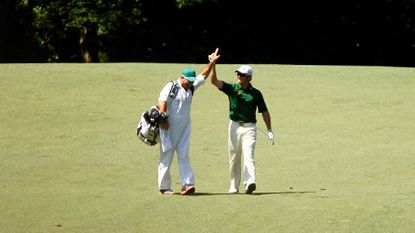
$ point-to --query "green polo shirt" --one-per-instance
(243, 103)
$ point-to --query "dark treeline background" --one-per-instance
(341, 32)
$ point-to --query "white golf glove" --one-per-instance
(271, 136)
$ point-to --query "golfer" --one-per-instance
(244, 100)
(178, 127)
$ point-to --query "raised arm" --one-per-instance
(214, 79)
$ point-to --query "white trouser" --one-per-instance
(242, 139)
(179, 133)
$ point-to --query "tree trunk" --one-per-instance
(88, 43)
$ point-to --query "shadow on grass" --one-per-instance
(253, 194)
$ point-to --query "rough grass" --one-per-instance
(70, 162)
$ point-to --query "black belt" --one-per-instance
(244, 123)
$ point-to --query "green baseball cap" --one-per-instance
(189, 74)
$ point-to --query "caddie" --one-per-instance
(175, 131)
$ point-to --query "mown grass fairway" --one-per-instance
(344, 159)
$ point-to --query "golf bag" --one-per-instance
(148, 128)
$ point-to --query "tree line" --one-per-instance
(343, 32)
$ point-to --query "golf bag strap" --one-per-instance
(175, 88)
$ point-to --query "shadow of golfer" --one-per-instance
(253, 194)
(283, 193)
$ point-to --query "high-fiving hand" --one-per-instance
(213, 57)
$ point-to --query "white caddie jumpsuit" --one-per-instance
(179, 134)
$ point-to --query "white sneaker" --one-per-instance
(233, 191)
(166, 192)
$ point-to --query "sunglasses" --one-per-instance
(242, 75)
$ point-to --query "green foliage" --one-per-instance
(183, 3)
(107, 16)
(302, 32)
(54, 19)
(44, 29)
